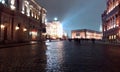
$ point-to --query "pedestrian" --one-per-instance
(93, 41)
(79, 41)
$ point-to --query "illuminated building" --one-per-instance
(54, 29)
(86, 34)
(111, 21)
(21, 20)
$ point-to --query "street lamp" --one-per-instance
(24, 29)
(55, 18)
(2, 26)
(16, 28)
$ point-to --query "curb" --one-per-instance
(16, 45)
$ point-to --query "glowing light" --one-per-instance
(12, 7)
(12, 4)
(2, 26)
(88, 35)
(22, 12)
(28, 11)
(55, 18)
(32, 14)
(33, 34)
(24, 29)
(3, 1)
(16, 28)
(28, 14)
(23, 8)
(55, 29)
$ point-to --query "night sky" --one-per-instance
(75, 14)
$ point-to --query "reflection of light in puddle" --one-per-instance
(54, 55)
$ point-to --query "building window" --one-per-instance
(17, 5)
(114, 36)
(77, 34)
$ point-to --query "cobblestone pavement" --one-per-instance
(61, 56)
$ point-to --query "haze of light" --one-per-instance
(75, 14)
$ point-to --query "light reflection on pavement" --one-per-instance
(61, 56)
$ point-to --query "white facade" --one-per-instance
(54, 29)
(86, 34)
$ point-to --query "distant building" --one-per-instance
(86, 34)
(111, 21)
(21, 20)
(54, 30)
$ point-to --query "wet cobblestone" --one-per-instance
(61, 56)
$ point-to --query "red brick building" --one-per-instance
(111, 21)
(21, 20)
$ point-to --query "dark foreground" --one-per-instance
(61, 56)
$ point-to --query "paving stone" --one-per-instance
(61, 56)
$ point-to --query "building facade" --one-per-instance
(111, 21)
(86, 34)
(21, 20)
(54, 30)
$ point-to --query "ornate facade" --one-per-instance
(21, 20)
(54, 30)
(111, 21)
